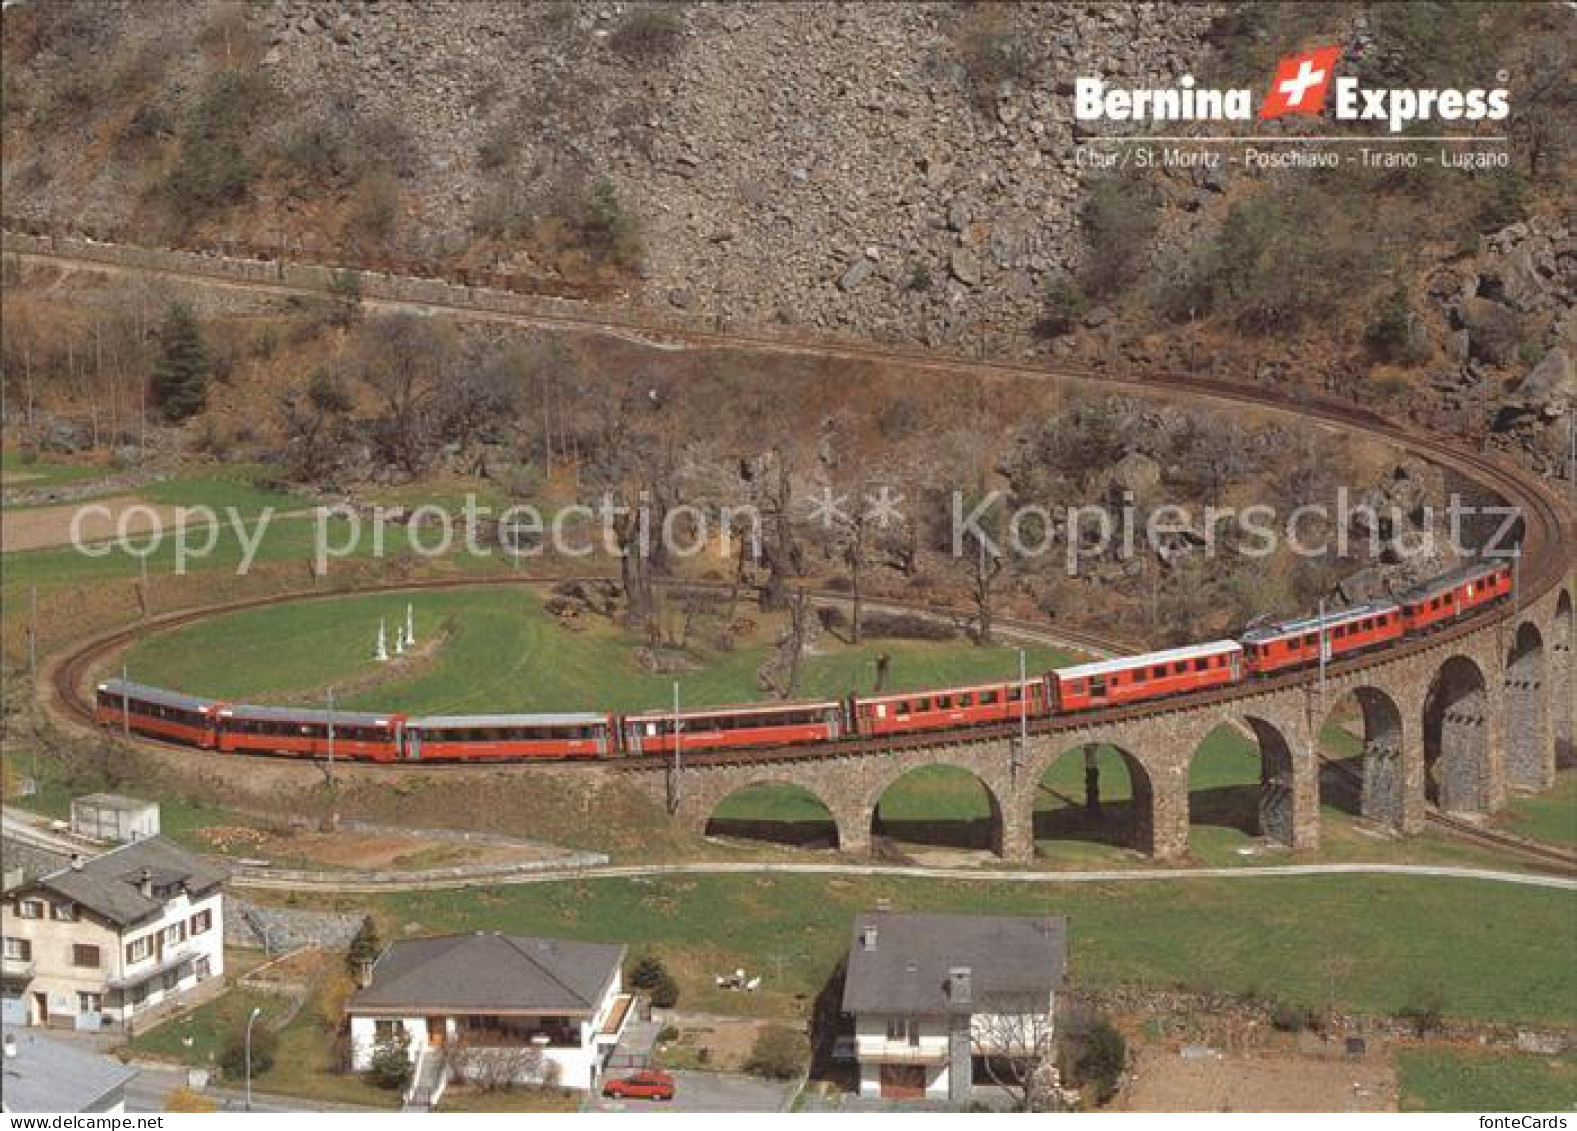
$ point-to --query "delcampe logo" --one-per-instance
(1300, 83)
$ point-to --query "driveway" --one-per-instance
(709, 1091)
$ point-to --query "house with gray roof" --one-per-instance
(44, 1075)
(936, 997)
(536, 1009)
(100, 941)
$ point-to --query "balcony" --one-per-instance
(17, 969)
(900, 1052)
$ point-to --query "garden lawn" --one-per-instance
(503, 652)
(1437, 1078)
(1491, 951)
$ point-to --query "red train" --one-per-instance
(1266, 650)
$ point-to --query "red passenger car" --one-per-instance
(1290, 644)
(950, 707)
(1155, 675)
(723, 728)
(297, 730)
(1454, 595)
(163, 714)
(463, 737)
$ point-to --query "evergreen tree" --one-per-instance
(364, 948)
(180, 376)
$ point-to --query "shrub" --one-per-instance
(265, 1050)
(647, 34)
(1288, 1018)
(183, 368)
(390, 1066)
(1095, 1056)
(1065, 304)
(186, 1100)
(1119, 218)
(651, 977)
(780, 1053)
(1424, 1011)
(1393, 335)
(992, 52)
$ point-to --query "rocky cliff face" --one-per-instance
(897, 170)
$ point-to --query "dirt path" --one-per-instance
(37, 527)
(1164, 1080)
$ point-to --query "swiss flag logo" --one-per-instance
(1300, 83)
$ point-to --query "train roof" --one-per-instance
(1171, 655)
(898, 696)
(1309, 624)
(1453, 578)
(466, 722)
(739, 709)
(304, 715)
(156, 695)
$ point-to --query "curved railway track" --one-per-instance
(1548, 526)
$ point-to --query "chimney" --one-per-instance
(10, 1045)
(868, 937)
(145, 883)
(363, 973)
(960, 991)
(77, 860)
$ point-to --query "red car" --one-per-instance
(650, 1084)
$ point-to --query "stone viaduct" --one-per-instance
(1455, 722)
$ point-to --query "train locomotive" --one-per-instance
(1266, 650)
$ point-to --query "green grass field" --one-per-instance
(503, 652)
(1550, 816)
(1451, 1079)
(1394, 938)
(302, 1067)
(16, 471)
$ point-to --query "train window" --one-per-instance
(1201, 664)
(1015, 694)
(966, 700)
(987, 698)
(1158, 672)
(944, 702)
(904, 709)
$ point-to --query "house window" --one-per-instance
(174, 933)
(30, 909)
(85, 955)
(903, 1029)
(18, 950)
(90, 1003)
(205, 968)
(64, 912)
(139, 949)
(202, 921)
(385, 1030)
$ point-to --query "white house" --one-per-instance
(934, 997)
(545, 1010)
(104, 940)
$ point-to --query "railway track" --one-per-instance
(1558, 859)
(1548, 534)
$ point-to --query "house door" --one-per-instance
(41, 1009)
(903, 1081)
(435, 1032)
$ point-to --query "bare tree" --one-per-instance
(315, 418)
(498, 1068)
(1019, 1053)
(406, 360)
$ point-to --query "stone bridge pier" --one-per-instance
(1454, 723)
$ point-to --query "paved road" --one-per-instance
(984, 875)
(708, 1092)
(16, 824)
